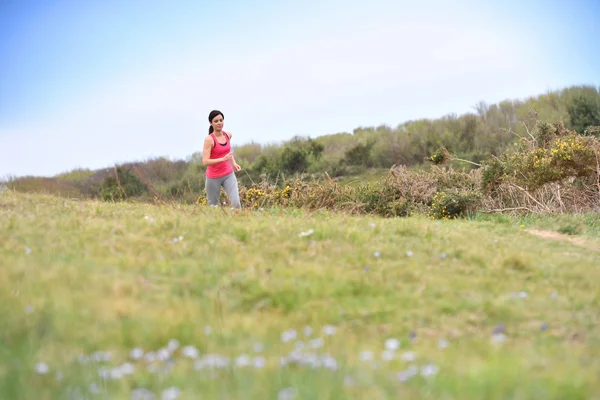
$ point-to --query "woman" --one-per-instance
(220, 164)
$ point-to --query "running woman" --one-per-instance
(220, 164)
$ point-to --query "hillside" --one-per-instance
(121, 300)
(366, 153)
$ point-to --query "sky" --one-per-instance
(87, 84)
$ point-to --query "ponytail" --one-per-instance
(210, 129)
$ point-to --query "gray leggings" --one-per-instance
(229, 183)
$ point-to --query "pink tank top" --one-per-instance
(218, 151)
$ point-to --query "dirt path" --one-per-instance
(577, 241)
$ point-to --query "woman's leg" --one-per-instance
(231, 189)
(213, 190)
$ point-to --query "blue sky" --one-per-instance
(89, 84)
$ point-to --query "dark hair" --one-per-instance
(212, 116)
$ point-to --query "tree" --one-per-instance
(360, 154)
(584, 111)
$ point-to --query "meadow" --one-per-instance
(131, 300)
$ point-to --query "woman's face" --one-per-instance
(217, 123)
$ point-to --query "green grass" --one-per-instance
(82, 277)
(584, 225)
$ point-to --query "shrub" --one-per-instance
(552, 154)
(360, 154)
(452, 204)
(122, 185)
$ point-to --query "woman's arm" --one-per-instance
(234, 164)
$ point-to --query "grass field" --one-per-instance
(134, 301)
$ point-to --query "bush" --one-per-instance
(552, 154)
(584, 111)
(553, 169)
(452, 204)
(360, 154)
(123, 185)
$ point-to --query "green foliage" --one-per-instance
(584, 111)
(296, 156)
(360, 154)
(569, 230)
(383, 199)
(77, 176)
(553, 153)
(123, 185)
(503, 137)
(440, 157)
(452, 204)
(268, 165)
(247, 153)
(293, 160)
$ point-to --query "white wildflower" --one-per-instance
(392, 344)
(405, 375)
(498, 338)
(329, 363)
(409, 356)
(163, 355)
(307, 233)
(307, 331)
(387, 355)
(288, 335)
(258, 347)
(366, 355)
(116, 373)
(136, 353)
(242, 361)
(429, 370)
(127, 369)
(42, 368)
(316, 343)
(287, 394)
(171, 393)
(142, 394)
(190, 352)
(259, 362)
(150, 357)
(101, 356)
(172, 345)
(94, 388)
(329, 330)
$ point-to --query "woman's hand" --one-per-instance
(228, 157)
(237, 167)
